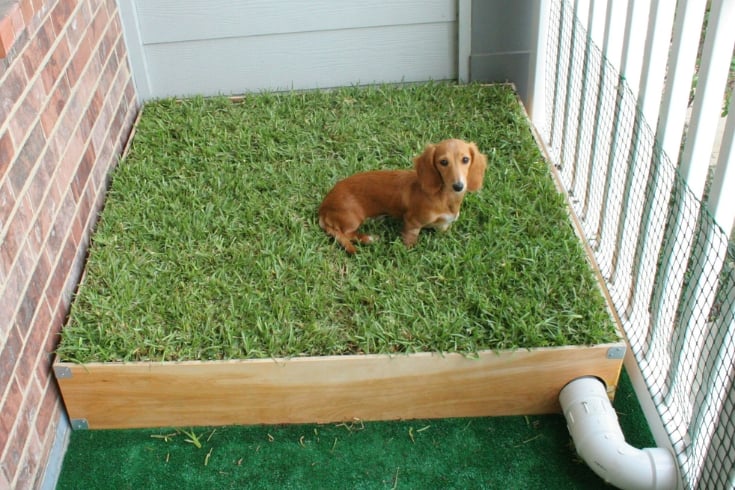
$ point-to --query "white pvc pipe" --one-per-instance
(593, 425)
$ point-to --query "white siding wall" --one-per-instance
(188, 47)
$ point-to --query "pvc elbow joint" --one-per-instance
(593, 425)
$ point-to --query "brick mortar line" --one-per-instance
(23, 458)
(7, 48)
(55, 262)
(26, 26)
(87, 143)
(86, 235)
(76, 268)
(63, 151)
(87, 232)
(117, 104)
(44, 442)
(54, 308)
(19, 60)
(4, 126)
(39, 73)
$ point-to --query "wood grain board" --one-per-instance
(328, 389)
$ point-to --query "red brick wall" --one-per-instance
(67, 103)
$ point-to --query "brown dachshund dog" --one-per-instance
(427, 197)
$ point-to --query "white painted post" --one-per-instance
(682, 352)
(717, 51)
(722, 193)
(588, 115)
(635, 20)
(560, 86)
(464, 41)
(719, 366)
(687, 29)
(570, 135)
(638, 163)
(716, 56)
(655, 58)
(636, 23)
(538, 98)
(134, 45)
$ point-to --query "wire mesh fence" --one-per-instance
(669, 268)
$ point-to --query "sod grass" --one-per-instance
(209, 247)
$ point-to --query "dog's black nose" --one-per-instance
(458, 186)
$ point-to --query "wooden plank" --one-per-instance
(304, 61)
(167, 21)
(330, 388)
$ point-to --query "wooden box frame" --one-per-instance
(330, 388)
(327, 389)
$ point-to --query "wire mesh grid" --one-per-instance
(668, 267)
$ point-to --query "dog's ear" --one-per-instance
(429, 178)
(477, 169)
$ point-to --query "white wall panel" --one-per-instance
(303, 61)
(188, 20)
(190, 47)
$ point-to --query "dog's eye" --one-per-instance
(465, 159)
(443, 162)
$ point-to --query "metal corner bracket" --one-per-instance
(616, 353)
(62, 372)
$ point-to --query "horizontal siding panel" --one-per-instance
(165, 21)
(304, 60)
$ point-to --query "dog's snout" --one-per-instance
(458, 186)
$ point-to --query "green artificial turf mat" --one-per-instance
(209, 246)
(527, 453)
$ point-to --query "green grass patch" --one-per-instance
(209, 245)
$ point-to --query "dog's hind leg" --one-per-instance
(346, 242)
(345, 238)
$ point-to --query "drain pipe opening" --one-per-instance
(599, 440)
